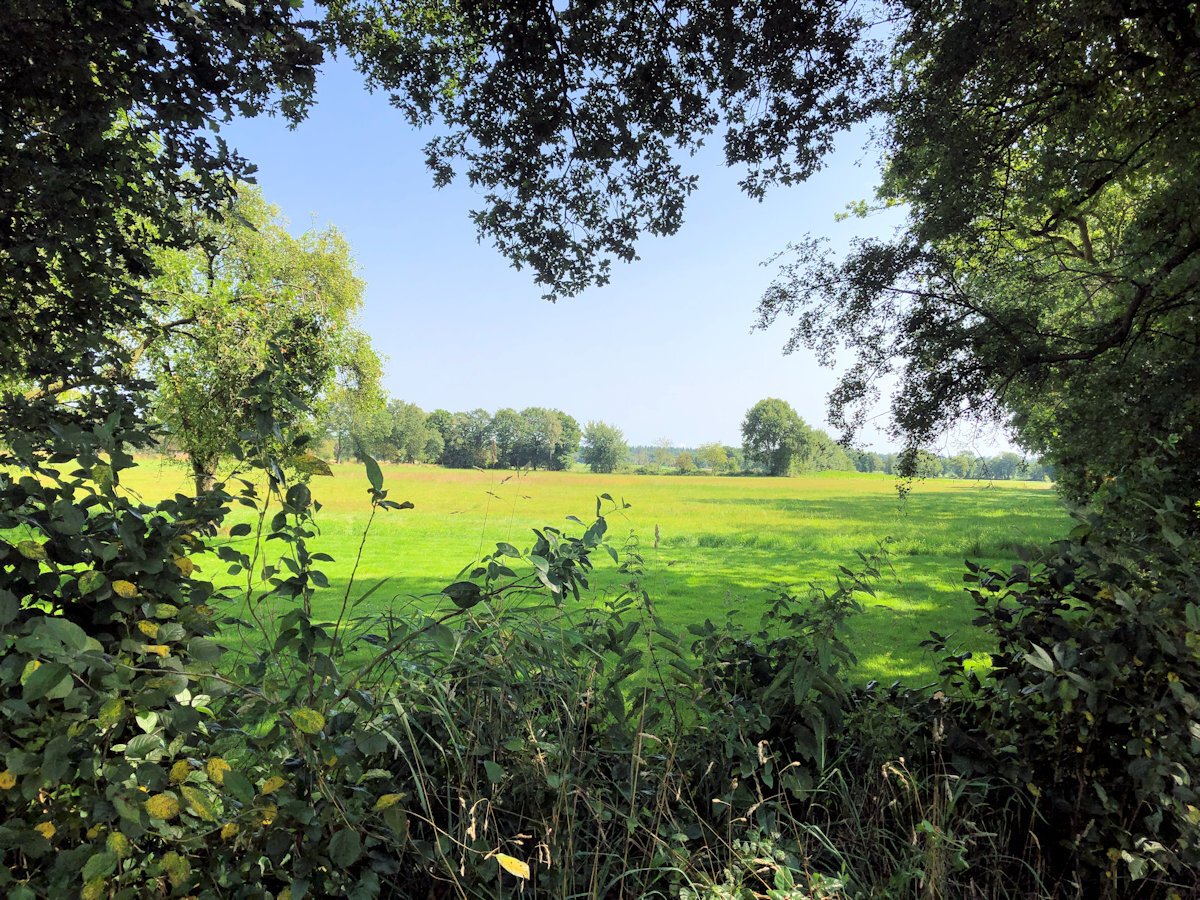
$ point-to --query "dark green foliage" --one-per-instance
(1092, 701)
(1050, 263)
(775, 439)
(105, 642)
(105, 107)
(568, 118)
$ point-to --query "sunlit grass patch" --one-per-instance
(722, 543)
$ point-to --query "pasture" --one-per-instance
(723, 542)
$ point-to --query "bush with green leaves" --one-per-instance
(106, 646)
(1090, 707)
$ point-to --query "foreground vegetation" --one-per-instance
(535, 731)
(544, 730)
(711, 545)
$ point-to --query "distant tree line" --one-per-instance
(775, 441)
(1007, 466)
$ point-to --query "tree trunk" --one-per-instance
(203, 473)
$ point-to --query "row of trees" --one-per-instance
(535, 437)
(358, 421)
(1006, 466)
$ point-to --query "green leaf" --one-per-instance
(374, 474)
(143, 745)
(204, 650)
(100, 865)
(31, 550)
(311, 464)
(65, 632)
(298, 497)
(1039, 659)
(345, 847)
(90, 582)
(262, 728)
(508, 549)
(111, 713)
(238, 786)
(46, 681)
(495, 771)
(239, 530)
(465, 594)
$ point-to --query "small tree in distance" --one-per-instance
(774, 437)
(604, 447)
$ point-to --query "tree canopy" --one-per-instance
(1048, 271)
(568, 120)
(604, 447)
(245, 292)
(774, 437)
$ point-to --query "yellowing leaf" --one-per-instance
(513, 866)
(216, 769)
(272, 784)
(45, 829)
(180, 771)
(229, 831)
(162, 806)
(96, 889)
(157, 649)
(387, 801)
(30, 667)
(126, 589)
(7, 780)
(149, 629)
(178, 869)
(119, 844)
(31, 550)
(184, 565)
(308, 720)
(198, 803)
(111, 713)
(310, 464)
(267, 814)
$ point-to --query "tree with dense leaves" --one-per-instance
(109, 136)
(1049, 271)
(509, 430)
(408, 436)
(548, 440)
(356, 418)
(774, 437)
(604, 447)
(825, 454)
(245, 291)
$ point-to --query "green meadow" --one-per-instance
(724, 544)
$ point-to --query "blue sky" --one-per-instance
(664, 351)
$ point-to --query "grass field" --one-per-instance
(723, 542)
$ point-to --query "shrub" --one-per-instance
(1091, 704)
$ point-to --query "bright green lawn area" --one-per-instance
(723, 541)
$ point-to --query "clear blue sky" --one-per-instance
(664, 351)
